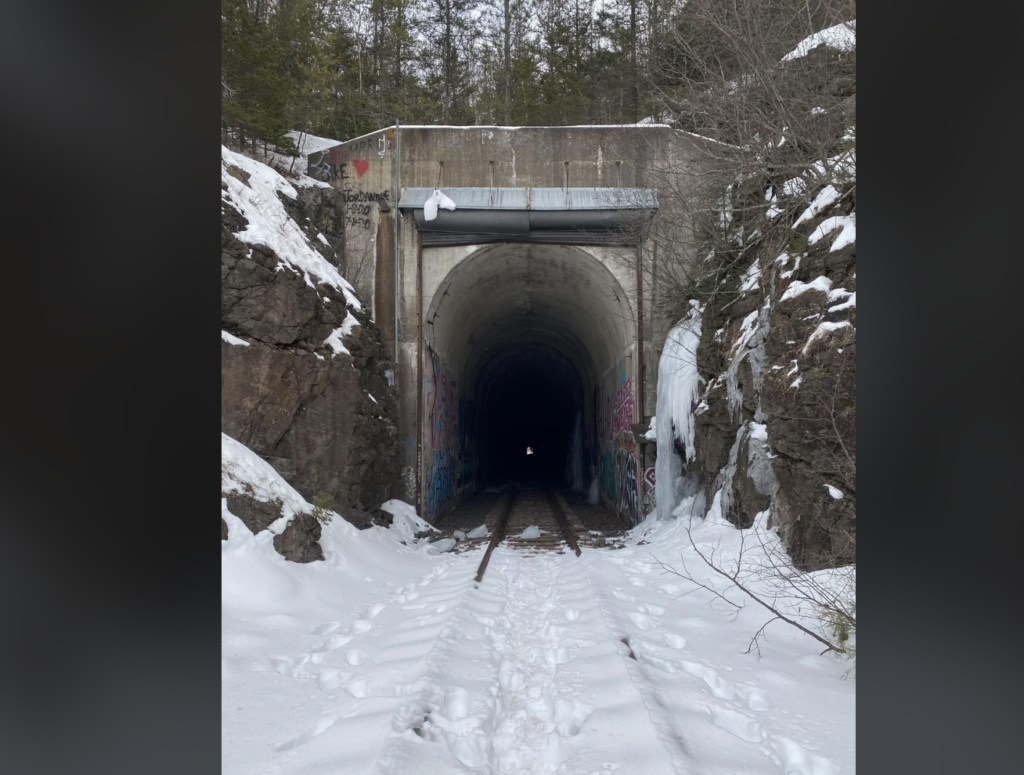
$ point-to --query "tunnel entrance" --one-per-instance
(526, 346)
(531, 397)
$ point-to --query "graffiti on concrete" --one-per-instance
(409, 480)
(621, 408)
(439, 482)
(649, 482)
(627, 498)
(320, 167)
(449, 417)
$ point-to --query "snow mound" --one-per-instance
(439, 547)
(531, 532)
(406, 521)
(245, 472)
(270, 225)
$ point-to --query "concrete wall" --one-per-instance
(363, 169)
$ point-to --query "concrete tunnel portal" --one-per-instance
(516, 309)
(522, 340)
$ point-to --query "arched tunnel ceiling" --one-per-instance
(510, 294)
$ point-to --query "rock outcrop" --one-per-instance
(306, 377)
(776, 426)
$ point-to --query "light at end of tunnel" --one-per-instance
(529, 450)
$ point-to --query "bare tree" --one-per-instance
(821, 604)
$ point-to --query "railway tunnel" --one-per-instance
(529, 331)
(526, 333)
(517, 314)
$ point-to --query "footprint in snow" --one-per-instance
(330, 678)
(794, 759)
(356, 656)
(572, 614)
(738, 724)
(674, 641)
(569, 717)
(664, 665)
(643, 621)
(623, 596)
(719, 687)
(646, 652)
(653, 610)
(373, 610)
(334, 642)
(321, 726)
(326, 628)
(283, 665)
(292, 667)
(754, 697)
(361, 625)
(637, 582)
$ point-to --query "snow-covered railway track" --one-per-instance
(533, 521)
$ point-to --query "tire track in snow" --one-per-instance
(728, 705)
(660, 714)
(492, 688)
(441, 708)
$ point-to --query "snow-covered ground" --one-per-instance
(387, 658)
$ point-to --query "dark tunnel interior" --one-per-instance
(533, 395)
(519, 338)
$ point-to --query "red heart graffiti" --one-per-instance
(361, 166)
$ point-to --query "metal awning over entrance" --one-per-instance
(594, 216)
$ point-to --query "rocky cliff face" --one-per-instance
(778, 420)
(306, 377)
(776, 425)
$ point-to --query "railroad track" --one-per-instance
(544, 510)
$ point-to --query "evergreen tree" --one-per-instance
(509, 73)
(446, 60)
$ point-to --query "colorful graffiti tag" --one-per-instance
(621, 408)
(627, 499)
(617, 461)
(439, 482)
(450, 418)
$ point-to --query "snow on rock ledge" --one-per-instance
(256, 198)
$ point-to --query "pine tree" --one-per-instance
(446, 58)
